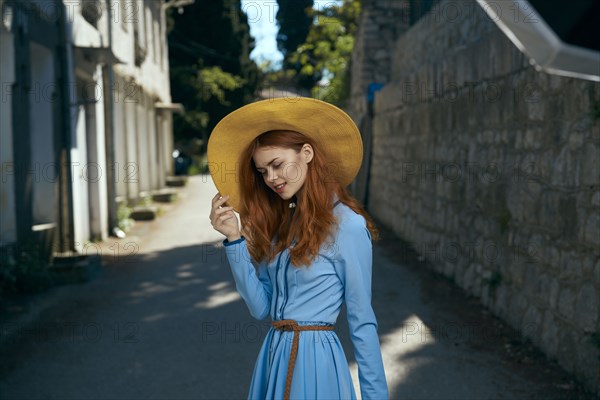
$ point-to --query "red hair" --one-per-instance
(264, 215)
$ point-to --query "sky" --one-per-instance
(263, 27)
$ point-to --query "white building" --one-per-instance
(85, 118)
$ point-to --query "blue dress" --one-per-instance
(313, 296)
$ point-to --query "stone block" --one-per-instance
(176, 181)
(542, 284)
(590, 164)
(543, 168)
(587, 265)
(500, 303)
(549, 334)
(566, 302)
(535, 106)
(567, 349)
(586, 308)
(553, 293)
(568, 213)
(533, 138)
(595, 199)
(588, 363)
(166, 195)
(576, 140)
(591, 229)
(381, 54)
(551, 258)
(517, 305)
(143, 213)
(532, 322)
(566, 168)
(570, 267)
(549, 211)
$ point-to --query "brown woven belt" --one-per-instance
(291, 325)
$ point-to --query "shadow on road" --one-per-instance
(167, 323)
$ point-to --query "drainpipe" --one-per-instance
(66, 241)
(373, 88)
(110, 130)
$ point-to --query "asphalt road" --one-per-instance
(163, 321)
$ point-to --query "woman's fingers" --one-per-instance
(218, 211)
(215, 199)
(216, 204)
(216, 221)
(223, 200)
(221, 213)
(222, 210)
(218, 201)
(224, 217)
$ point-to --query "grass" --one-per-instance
(123, 221)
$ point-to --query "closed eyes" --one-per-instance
(264, 171)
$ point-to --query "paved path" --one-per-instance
(164, 321)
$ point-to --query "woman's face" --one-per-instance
(279, 166)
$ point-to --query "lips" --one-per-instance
(279, 188)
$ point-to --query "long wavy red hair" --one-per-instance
(265, 217)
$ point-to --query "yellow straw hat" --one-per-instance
(333, 131)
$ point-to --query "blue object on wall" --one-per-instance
(372, 89)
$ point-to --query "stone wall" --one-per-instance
(492, 170)
(381, 23)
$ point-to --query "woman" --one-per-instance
(304, 246)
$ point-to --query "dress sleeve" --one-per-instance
(353, 265)
(253, 286)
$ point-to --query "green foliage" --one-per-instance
(185, 83)
(123, 221)
(145, 201)
(325, 56)
(24, 269)
(211, 70)
(206, 85)
(217, 82)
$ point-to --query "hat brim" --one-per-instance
(332, 130)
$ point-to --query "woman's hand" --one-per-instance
(223, 219)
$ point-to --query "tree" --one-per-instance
(294, 24)
(211, 70)
(324, 58)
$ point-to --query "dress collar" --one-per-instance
(336, 199)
